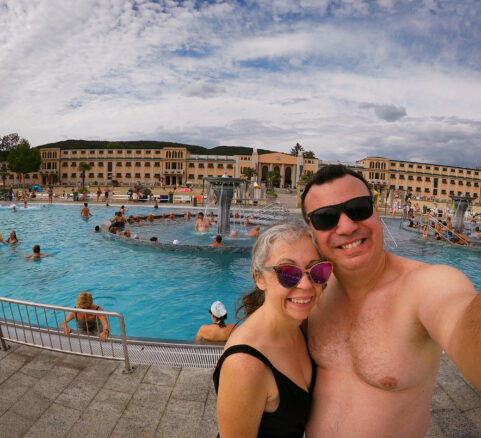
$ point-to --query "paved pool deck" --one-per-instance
(48, 394)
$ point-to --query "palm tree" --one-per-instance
(4, 174)
(273, 177)
(248, 172)
(306, 176)
(84, 167)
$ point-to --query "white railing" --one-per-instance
(39, 325)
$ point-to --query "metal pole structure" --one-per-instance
(4, 345)
(128, 368)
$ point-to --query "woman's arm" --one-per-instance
(105, 325)
(242, 396)
(63, 324)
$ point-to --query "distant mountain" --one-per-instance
(146, 144)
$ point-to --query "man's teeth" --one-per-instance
(352, 245)
(297, 301)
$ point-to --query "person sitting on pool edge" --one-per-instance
(87, 323)
(218, 330)
(217, 241)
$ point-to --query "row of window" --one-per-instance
(435, 191)
(49, 154)
(382, 165)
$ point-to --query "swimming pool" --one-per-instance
(161, 294)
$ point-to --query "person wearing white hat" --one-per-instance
(218, 330)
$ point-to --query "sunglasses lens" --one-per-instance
(359, 209)
(288, 276)
(325, 218)
(321, 272)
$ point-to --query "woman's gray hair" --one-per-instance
(289, 231)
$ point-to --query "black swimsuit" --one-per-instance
(290, 418)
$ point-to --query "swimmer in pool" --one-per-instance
(218, 330)
(201, 225)
(12, 237)
(254, 232)
(85, 212)
(217, 241)
(36, 254)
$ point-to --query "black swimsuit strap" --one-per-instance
(243, 348)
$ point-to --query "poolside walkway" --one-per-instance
(46, 394)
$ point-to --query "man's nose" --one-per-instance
(346, 226)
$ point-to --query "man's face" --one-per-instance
(349, 244)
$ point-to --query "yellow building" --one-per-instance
(422, 180)
(159, 165)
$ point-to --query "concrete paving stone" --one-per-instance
(4, 353)
(108, 402)
(55, 382)
(185, 408)
(441, 399)
(78, 394)
(13, 425)
(474, 416)
(152, 397)
(40, 365)
(210, 408)
(434, 430)
(136, 421)
(56, 421)
(100, 368)
(12, 363)
(31, 405)
(161, 376)
(14, 388)
(454, 424)
(126, 382)
(182, 427)
(192, 384)
(464, 395)
(74, 361)
(93, 424)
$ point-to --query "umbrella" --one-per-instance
(184, 189)
(37, 187)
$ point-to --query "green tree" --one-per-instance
(82, 168)
(273, 177)
(10, 142)
(4, 174)
(22, 159)
(306, 176)
(309, 154)
(249, 172)
(295, 150)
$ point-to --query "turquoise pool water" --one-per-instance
(161, 294)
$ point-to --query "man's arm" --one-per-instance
(450, 310)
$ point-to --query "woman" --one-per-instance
(218, 330)
(12, 237)
(265, 376)
(87, 322)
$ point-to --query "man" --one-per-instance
(217, 241)
(201, 225)
(85, 212)
(36, 254)
(379, 327)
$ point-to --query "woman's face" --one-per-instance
(296, 302)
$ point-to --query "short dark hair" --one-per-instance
(327, 174)
(218, 238)
(97, 228)
(85, 204)
(36, 249)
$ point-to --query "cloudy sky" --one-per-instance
(344, 78)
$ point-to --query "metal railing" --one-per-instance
(41, 326)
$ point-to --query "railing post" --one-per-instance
(128, 368)
(4, 345)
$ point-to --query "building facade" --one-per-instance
(422, 180)
(168, 166)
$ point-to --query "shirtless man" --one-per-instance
(201, 224)
(85, 212)
(36, 254)
(379, 327)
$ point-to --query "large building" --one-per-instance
(159, 164)
(423, 180)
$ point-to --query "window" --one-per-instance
(157, 152)
(110, 152)
(74, 175)
(468, 172)
(419, 166)
(137, 175)
(100, 175)
(191, 176)
(157, 164)
(426, 190)
(91, 175)
(83, 152)
(428, 179)
(147, 164)
(74, 164)
(453, 182)
(445, 169)
(191, 165)
(64, 175)
(128, 164)
(411, 166)
(417, 179)
(74, 152)
(468, 184)
(100, 164)
(229, 166)
(436, 168)
(460, 183)
(401, 176)
(118, 175)
(64, 164)
(201, 165)
(401, 165)
(91, 152)
(157, 175)
(129, 152)
(418, 189)
(445, 181)
(148, 152)
(65, 152)
(118, 164)
(127, 175)
(411, 178)
(428, 167)
(137, 163)
(210, 165)
(476, 184)
(220, 166)
(443, 192)
(138, 152)
(101, 152)
(92, 164)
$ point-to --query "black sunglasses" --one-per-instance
(289, 276)
(356, 209)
